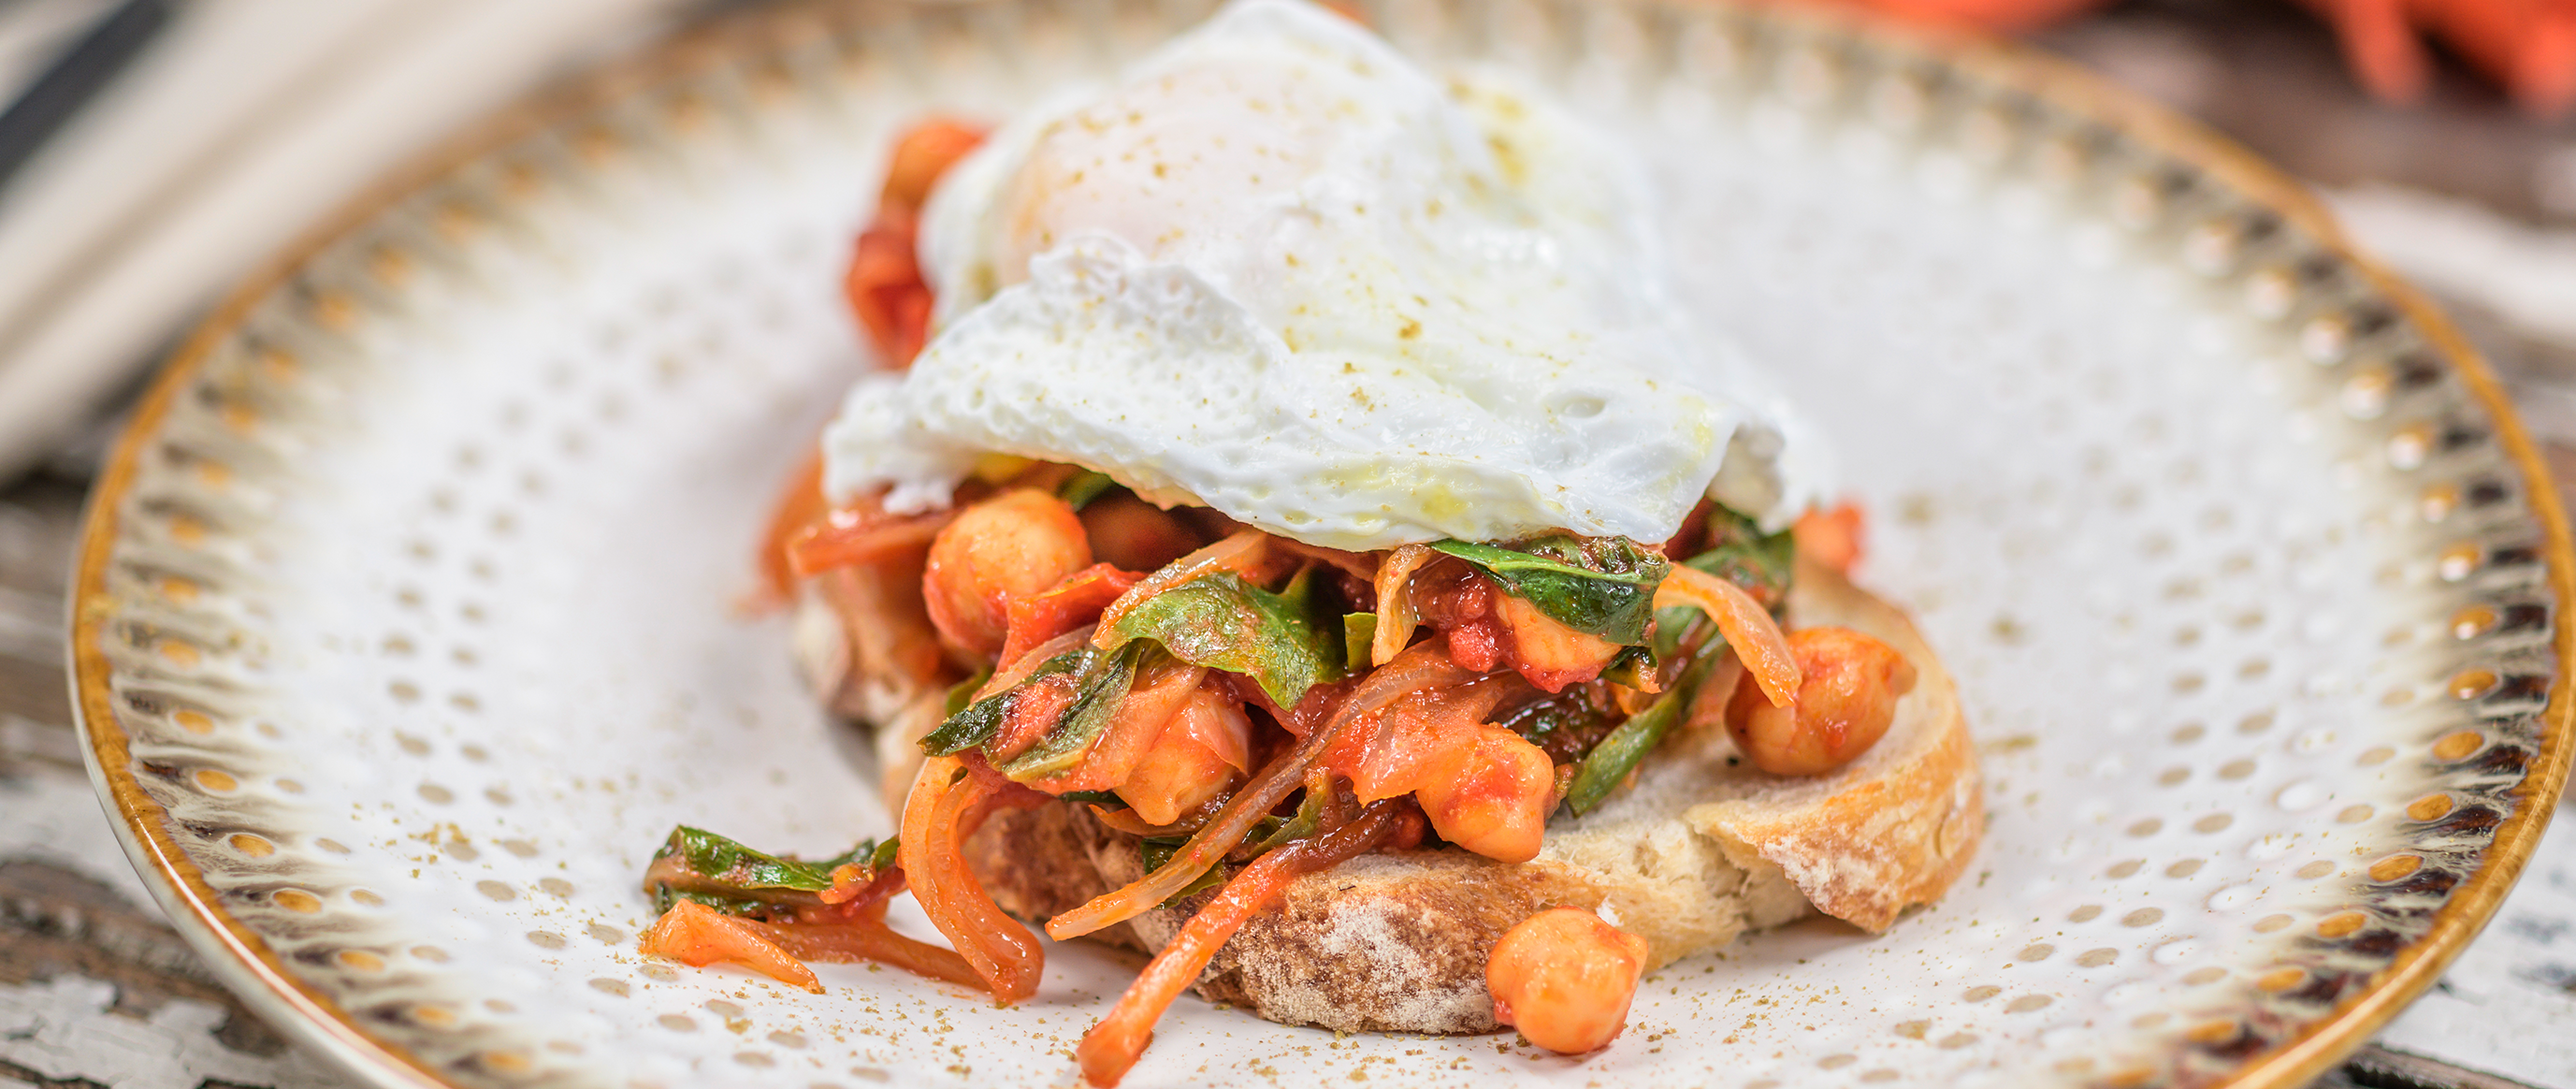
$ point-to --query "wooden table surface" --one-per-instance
(97, 990)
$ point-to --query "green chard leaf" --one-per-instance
(1156, 852)
(1359, 630)
(977, 722)
(1671, 625)
(1283, 641)
(1739, 552)
(698, 865)
(1604, 586)
(1085, 486)
(1635, 667)
(1610, 761)
(962, 694)
(1098, 694)
(1309, 817)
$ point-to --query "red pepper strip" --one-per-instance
(860, 535)
(697, 935)
(1067, 605)
(1033, 713)
(884, 283)
(1112, 1046)
(885, 287)
(799, 508)
(949, 799)
(921, 157)
(861, 939)
(1748, 628)
(1270, 786)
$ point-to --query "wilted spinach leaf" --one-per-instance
(1098, 694)
(1610, 761)
(980, 720)
(1084, 487)
(1739, 552)
(1282, 641)
(1604, 586)
(1156, 852)
(695, 864)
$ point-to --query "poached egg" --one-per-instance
(1281, 271)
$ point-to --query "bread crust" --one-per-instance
(1701, 848)
(1897, 826)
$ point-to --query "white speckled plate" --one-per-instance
(405, 622)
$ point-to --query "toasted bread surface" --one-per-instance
(1702, 847)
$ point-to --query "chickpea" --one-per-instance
(1490, 793)
(1199, 753)
(1846, 700)
(1012, 545)
(1133, 535)
(1548, 653)
(1565, 978)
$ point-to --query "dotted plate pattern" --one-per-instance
(408, 617)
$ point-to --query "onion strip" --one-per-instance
(1748, 628)
(870, 940)
(1112, 1047)
(1396, 616)
(949, 799)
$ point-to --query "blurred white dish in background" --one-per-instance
(235, 132)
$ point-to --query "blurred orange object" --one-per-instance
(2528, 46)
(2005, 15)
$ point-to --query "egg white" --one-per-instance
(1281, 271)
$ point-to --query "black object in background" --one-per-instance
(75, 78)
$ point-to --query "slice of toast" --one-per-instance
(1699, 849)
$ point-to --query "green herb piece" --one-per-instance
(1156, 852)
(962, 694)
(1634, 667)
(1085, 486)
(1107, 799)
(1604, 586)
(979, 721)
(1610, 761)
(701, 866)
(1222, 622)
(1100, 692)
(1310, 816)
(1359, 632)
(1670, 626)
(1739, 552)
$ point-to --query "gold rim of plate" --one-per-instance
(255, 969)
